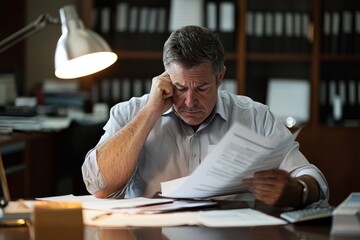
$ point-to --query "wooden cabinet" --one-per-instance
(29, 164)
(298, 49)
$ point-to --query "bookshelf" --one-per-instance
(293, 47)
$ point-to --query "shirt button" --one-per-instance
(194, 155)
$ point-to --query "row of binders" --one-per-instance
(279, 31)
(266, 31)
(131, 17)
(114, 90)
(341, 32)
(339, 100)
(147, 26)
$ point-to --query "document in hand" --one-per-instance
(239, 154)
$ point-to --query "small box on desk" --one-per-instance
(57, 221)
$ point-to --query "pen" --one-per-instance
(101, 216)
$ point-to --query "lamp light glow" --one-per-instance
(79, 51)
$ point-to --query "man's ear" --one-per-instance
(221, 76)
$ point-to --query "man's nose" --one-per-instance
(190, 98)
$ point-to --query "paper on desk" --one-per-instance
(216, 218)
(170, 207)
(91, 202)
(238, 155)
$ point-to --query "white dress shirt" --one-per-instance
(173, 150)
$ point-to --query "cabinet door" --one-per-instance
(337, 154)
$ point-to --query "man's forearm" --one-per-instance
(117, 156)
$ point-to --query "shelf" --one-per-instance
(278, 57)
(154, 55)
(340, 57)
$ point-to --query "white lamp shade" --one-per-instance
(79, 51)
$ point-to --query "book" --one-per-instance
(346, 217)
(34, 123)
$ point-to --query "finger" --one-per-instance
(166, 85)
(270, 173)
(263, 181)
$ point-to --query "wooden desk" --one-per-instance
(286, 232)
(318, 230)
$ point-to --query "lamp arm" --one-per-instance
(27, 31)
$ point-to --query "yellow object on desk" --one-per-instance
(57, 221)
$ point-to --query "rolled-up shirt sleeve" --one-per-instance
(92, 176)
(120, 115)
(296, 163)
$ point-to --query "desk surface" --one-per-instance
(286, 232)
(317, 230)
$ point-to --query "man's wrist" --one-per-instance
(305, 191)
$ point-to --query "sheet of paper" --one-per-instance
(170, 207)
(238, 155)
(91, 202)
(216, 218)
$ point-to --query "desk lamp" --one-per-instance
(79, 51)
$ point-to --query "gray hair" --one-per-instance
(194, 45)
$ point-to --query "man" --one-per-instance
(165, 134)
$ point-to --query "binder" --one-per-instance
(185, 12)
(259, 29)
(250, 31)
(296, 43)
(305, 42)
(335, 31)
(357, 32)
(211, 15)
(105, 19)
(269, 38)
(289, 32)
(227, 25)
(126, 89)
(326, 36)
(121, 22)
(133, 21)
(346, 36)
(279, 31)
(227, 17)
